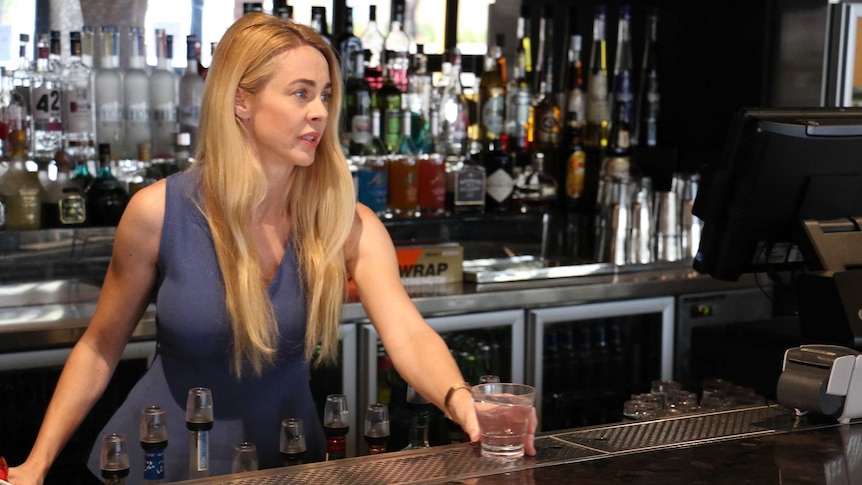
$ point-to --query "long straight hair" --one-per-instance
(320, 200)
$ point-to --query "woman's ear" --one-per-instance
(240, 109)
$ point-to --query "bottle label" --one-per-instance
(110, 112)
(165, 112)
(138, 113)
(597, 99)
(576, 165)
(190, 115)
(46, 105)
(499, 185)
(549, 128)
(154, 465)
(373, 188)
(469, 187)
(79, 112)
(492, 115)
(392, 128)
(360, 129)
(202, 458)
(73, 209)
(576, 106)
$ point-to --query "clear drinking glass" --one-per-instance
(114, 458)
(292, 443)
(377, 428)
(504, 412)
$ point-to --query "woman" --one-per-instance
(249, 254)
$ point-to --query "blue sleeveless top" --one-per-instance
(194, 350)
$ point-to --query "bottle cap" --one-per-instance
(184, 139)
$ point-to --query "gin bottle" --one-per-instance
(136, 87)
(163, 100)
(191, 93)
(109, 92)
(78, 114)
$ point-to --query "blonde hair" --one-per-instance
(233, 184)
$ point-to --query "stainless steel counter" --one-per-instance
(53, 314)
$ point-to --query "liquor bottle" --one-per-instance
(88, 47)
(183, 158)
(454, 111)
(492, 95)
(108, 92)
(78, 115)
(163, 100)
(539, 191)
(617, 161)
(545, 114)
(397, 48)
(645, 131)
(357, 107)
(191, 93)
(524, 47)
(249, 7)
(432, 171)
(542, 49)
(21, 188)
(81, 175)
(318, 23)
(55, 53)
(419, 88)
(46, 106)
(63, 204)
(571, 149)
(598, 110)
(199, 422)
(622, 100)
(389, 99)
(499, 182)
(404, 174)
(107, 196)
(13, 111)
(136, 90)
(114, 459)
(419, 420)
(373, 175)
(154, 440)
(349, 46)
(372, 42)
(282, 10)
(519, 99)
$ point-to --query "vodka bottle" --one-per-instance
(88, 47)
(598, 111)
(136, 87)
(78, 114)
(318, 23)
(454, 115)
(46, 107)
(55, 53)
(348, 46)
(372, 43)
(397, 48)
(109, 92)
(492, 96)
(191, 93)
(163, 100)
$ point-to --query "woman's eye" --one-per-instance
(300, 94)
(326, 97)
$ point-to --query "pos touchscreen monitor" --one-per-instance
(787, 195)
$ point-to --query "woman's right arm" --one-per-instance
(123, 299)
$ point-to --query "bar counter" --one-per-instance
(761, 445)
(54, 313)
